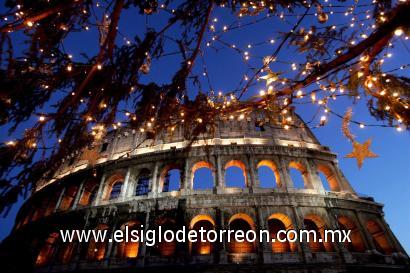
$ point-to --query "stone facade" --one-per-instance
(111, 193)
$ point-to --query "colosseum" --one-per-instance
(242, 176)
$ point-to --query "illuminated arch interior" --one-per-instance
(329, 177)
(268, 174)
(235, 174)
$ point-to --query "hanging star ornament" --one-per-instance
(361, 152)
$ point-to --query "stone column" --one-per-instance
(368, 240)
(109, 249)
(100, 191)
(303, 246)
(344, 184)
(154, 185)
(60, 198)
(219, 178)
(313, 177)
(340, 247)
(250, 172)
(186, 179)
(390, 236)
(78, 195)
(264, 246)
(143, 251)
(283, 169)
(223, 254)
(125, 186)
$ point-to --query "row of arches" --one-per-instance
(97, 251)
(235, 175)
(202, 177)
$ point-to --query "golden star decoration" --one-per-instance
(270, 77)
(361, 152)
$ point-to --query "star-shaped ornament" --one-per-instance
(270, 77)
(361, 152)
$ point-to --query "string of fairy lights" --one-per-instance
(265, 84)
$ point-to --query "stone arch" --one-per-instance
(96, 250)
(113, 186)
(379, 236)
(168, 175)
(164, 248)
(89, 193)
(142, 184)
(330, 176)
(66, 251)
(129, 249)
(313, 222)
(68, 197)
(301, 168)
(356, 244)
(279, 221)
(48, 250)
(272, 166)
(202, 165)
(239, 165)
(244, 222)
(201, 247)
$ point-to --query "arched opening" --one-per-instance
(328, 178)
(202, 176)
(243, 223)
(276, 223)
(129, 249)
(166, 248)
(116, 189)
(68, 198)
(379, 237)
(171, 178)
(113, 186)
(299, 176)
(65, 253)
(235, 174)
(48, 250)
(89, 193)
(142, 185)
(96, 250)
(201, 247)
(316, 227)
(49, 204)
(356, 242)
(268, 174)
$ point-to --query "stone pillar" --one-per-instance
(220, 185)
(390, 236)
(223, 254)
(368, 240)
(100, 191)
(125, 186)
(264, 246)
(186, 179)
(344, 184)
(154, 185)
(109, 249)
(340, 247)
(60, 198)
(303, 246)
(283, 169)
(313, 176)
(143, 251)
(78, 195)
(250, 171)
